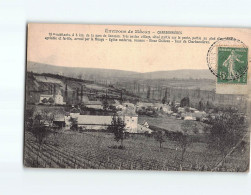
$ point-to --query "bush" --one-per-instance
(44, 101)
(51, 100)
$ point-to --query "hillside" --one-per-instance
(96, 73)
(89, 73)
(178, 74)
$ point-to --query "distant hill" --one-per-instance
(76, 71)
(178, 74)
(96, 73)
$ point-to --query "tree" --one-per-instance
(209, 105)
(173, 106)
(39, 129)
(148, 92)
(201, 105)
(66, 92)
(173, 103)
(47, 115)
(226, 132)
(185, 102)
(80, 76)
(105, 104)
(51, 100)
(74, 123)
(187, 109)
(44, 100)
(198, 92)
(121, 95)
(163, 100)
(28, 118)
(38, 118)
(118, 128)
(160, 137)
(184, 138)
(183, 141)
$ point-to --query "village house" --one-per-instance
(59, 121)
(84, 98)
(44, 96)
(129, 105)
(165, 108)
(94, 122)
(101, 122)
(131, 120)
(58, 99)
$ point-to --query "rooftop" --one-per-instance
(127, 112)
(46, 95)
(94, 120)
(93, 103)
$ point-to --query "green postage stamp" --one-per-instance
(232, 63)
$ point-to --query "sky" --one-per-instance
(134, 56)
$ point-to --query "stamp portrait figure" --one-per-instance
(230, 63)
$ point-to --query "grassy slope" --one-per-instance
(141, 152)
(167, 123)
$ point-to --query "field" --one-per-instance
(168, 123)
(96, 150)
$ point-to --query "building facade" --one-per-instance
(100, 122)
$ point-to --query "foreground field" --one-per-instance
(95, 150)
(168, 123)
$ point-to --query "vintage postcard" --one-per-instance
(137, 98)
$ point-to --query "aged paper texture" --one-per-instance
(137, 97)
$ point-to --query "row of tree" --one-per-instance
(226, 132)
(45, 100)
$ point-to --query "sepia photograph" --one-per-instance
(100, 97)
(137, 98)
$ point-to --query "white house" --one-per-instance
(165, 108)
(131, 123)
(100, 122)
(59, 99)
(130, 119)
(94, 122)
(129, 105)
(85, 98)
